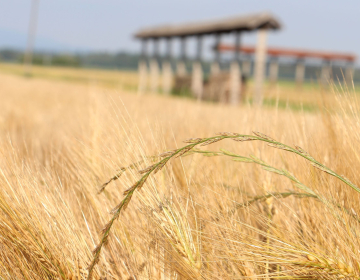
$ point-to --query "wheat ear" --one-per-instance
(186, 149)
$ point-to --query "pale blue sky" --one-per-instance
(108, 25)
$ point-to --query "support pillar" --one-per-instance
(166, 69)
(154, 67)
(142, 68)
(235, 73)
(274, 70)
(300, 72)
(197, 73)
(260, 60)
(215, 66)
(180, 65)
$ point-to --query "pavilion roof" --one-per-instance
(237, 23)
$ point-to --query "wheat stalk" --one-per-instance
(192, 142)
(283, 172)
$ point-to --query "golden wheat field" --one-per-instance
(280, 203)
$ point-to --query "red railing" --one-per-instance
(300, 54)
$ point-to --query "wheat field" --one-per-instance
(245, 209)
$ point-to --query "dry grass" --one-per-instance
(198, 217)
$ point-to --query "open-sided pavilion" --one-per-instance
(299, 55)
(261, 22)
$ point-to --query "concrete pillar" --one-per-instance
(197, 80)
(300, 72)
(274, 70)
(235, 73)
(349, 73)
(215, 66)
(142, 70)
(154, 68)
(197, 73)
(260, 61)
(166, 69)
(167, 77)
(325, 72)
(180, 66)
(143, 73)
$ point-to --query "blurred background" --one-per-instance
(233, 52)
(99, 34)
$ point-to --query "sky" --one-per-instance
(108, 25)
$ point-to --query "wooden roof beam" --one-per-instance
(251, 22)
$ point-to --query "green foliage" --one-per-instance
(121, 60)
(66, 60)
(10, 55)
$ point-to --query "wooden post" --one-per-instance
(154, 67)
(215, 66)
(260, 61)
(300, 73)
(274, 70)
(142, 67)
(166, 69)
(28, 57)
(197, 73)
(180, 66)
(235, 73)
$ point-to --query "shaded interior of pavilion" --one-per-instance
(325, 61)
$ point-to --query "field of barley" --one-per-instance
(100, 182)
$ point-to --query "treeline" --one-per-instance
(120, 60)
(129, 61)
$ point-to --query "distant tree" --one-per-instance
(10, 55)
